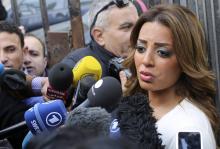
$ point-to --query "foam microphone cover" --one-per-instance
(95, 118)
(105, 92)
(137, 123)
(60, 77)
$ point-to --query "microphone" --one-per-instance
(88, 65)
(104, 93)
(136, 122)
(94, 119)
(61, 76)
(45, 116)
(42, 117)
(82, 89)
(52, 114)
(60, 79)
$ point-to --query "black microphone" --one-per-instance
(82, 90)
(93, 119)
(104, 93)
(137, 123)
(60, 77)
(42, 117)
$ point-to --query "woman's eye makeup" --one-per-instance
(160, 49)
(164, 52)
(140, 48)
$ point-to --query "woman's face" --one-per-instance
(155, 60)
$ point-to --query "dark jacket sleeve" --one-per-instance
(12, 112)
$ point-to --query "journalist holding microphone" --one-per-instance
(169, 64)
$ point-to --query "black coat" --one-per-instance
(93, 49)
(12, 112)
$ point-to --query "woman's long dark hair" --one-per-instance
(197, 81)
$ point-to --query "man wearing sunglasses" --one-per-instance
(111, 22)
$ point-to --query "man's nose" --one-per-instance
(26, 56)
(26, 59)
(3, 57)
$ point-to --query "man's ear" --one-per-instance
(97, 34)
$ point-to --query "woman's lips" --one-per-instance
(146, 76)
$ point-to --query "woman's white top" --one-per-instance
(185, 117)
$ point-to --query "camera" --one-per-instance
(115, 66)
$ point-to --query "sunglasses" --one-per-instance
(118, 3)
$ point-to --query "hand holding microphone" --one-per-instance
(49, 115)
(62, 76)
(105, 93)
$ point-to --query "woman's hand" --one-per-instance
(123, 79)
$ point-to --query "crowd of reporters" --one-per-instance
(97, 108)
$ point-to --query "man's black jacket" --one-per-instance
(93, 49)
(12, 112)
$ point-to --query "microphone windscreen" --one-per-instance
(95, 118)
(60, 77)
(88, 65)
(137, 123)
(105, 92)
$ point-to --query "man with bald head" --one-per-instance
(110, 24)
